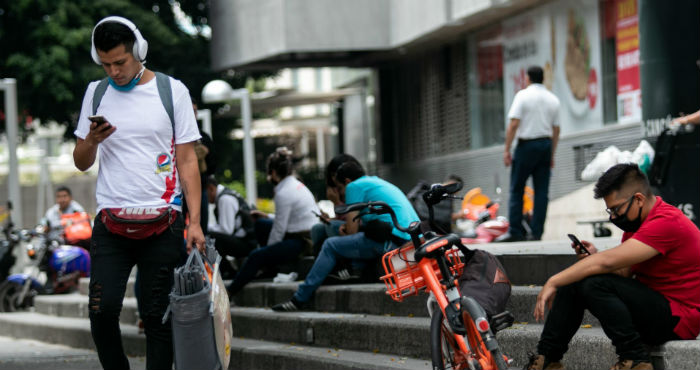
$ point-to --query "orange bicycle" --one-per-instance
(461, 335)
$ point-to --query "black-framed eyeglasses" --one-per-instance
(615, 210)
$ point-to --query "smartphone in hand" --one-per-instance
(577, 242)
(320, 217)
(98, 119)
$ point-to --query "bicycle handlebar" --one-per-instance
(376, 207)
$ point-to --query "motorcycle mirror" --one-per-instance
(453, 187)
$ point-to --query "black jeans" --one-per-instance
(113, 257)
(531, 158)
(273, 255)
(630, 313)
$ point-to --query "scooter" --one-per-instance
(480, 222)
(59, 266)
(10, 239)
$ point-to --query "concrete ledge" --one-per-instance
(372, 299)
(72, 332)
(259, 355)
(345, 341)
(76, 305)
(84, 286)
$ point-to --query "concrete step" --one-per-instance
(245, 353)
(69, 331)
(343, 341)
(372, 299)
(76, 305)
(262, 355)
(589, 349)
(84, 287)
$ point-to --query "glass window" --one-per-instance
(486, 88)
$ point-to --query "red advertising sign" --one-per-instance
(627, 52)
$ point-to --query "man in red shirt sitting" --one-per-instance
(644, 291)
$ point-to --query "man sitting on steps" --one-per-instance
(233, 230)
(643, 292)
(379, 235)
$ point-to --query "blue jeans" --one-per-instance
(532, 158)
(355, 246)
(320, 232)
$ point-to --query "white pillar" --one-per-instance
(205, 116)
(251, 188)
(304, 148)
(10, 87)
(320, 147)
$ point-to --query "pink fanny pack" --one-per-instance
(138, 222)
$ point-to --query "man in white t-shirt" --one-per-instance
(147, 163)
(534, 121)
(233, 229)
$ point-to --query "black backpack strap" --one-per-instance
(98, 94)
(166, 96)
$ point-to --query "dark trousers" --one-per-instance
(532, 158)
(630, 313)
(229, 245)
(113, 257)
(268, 256)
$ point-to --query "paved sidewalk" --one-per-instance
(21, 354)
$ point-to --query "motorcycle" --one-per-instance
(480, 222)
(10, 239)
(54, 267)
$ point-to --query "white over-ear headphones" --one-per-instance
(140, 45)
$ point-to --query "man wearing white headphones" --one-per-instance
(142, 125)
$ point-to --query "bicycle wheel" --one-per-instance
(444, 350)
(491, 359)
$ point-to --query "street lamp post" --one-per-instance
(9, 85)
(219, 91)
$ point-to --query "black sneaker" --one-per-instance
(344, 275)
(289, 306)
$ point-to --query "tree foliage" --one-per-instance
(45, 45)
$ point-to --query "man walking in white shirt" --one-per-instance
(534, 121)
(142, 125)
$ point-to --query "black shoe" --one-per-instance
(344, 275)
(508, 237)
(289, 306)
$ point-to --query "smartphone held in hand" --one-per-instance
(98, 119)
(577, 242)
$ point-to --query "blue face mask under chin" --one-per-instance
(131, 83)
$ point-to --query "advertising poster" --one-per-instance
(629, 93)
(564, 39)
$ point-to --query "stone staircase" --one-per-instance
(351, 327)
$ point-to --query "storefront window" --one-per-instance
(486, 85)
(563, 37)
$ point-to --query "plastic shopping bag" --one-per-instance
(201, 317)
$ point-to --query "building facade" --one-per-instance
(445, 72)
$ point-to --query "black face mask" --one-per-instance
(625, 224)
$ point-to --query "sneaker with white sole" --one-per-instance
(344, 275)
(289, 306)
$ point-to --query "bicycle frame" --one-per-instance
(448, 298)
(435, 266)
